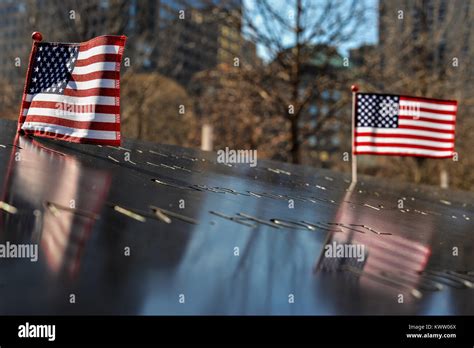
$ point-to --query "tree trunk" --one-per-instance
(295, 143)
(419, 161)
(296, 81)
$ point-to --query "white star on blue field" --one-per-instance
(380, 111)
(52, 67)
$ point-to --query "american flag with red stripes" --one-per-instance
(404, 126)
(72, 91)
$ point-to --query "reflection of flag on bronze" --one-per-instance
(404, 126)
(390, 258)
(62, 230)
(386, 251)
(72, 91)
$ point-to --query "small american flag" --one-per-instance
(404, 126)
(72, 91)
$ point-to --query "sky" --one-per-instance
(368, 36)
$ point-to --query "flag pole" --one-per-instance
(354, 89)
(36, 36)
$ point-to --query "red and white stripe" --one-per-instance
(428, 132)
(89, 110)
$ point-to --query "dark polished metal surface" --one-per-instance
(209, 238)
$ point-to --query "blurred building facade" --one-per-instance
(198, 35)
(439, 30)
(13, 44)
(430, 16)
(175, 38)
